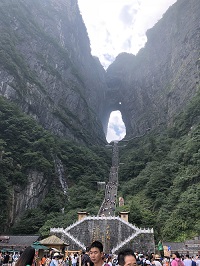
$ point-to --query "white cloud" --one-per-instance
(116, 26)
(116, 127)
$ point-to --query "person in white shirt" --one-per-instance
(54, 261)
(187, 261)
(197, 260)
(156, 261)
(74, 260)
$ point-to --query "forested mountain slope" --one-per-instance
(160, 178)
(44, 175)
(54, 107)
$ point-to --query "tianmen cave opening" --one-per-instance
(116, 127)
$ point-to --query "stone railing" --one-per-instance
(76, 235)
(103, 218)
(75, 240)
(123, 243)
(139, 231)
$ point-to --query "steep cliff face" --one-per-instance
(47, 67)
(157, 83)
(29, 197)
(41, 173)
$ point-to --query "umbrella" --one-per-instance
(8, 250)
(37, 245)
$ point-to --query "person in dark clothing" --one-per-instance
(6, 258)
(85, 260)
(27, 257)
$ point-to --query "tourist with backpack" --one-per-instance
(85, 259)
(176, 259)
(187, 261)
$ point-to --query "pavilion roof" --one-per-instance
(52, 240)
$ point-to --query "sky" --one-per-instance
(116, 26)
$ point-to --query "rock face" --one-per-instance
(157, 84)
(30, 196)
(47, 67)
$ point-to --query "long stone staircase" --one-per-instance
(109, 203)
(114, 233)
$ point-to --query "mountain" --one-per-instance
(157, 84)
(55, 102)
(48, 70)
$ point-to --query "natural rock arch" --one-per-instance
(114, 100)
(116, 127)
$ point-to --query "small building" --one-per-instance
(18, 243)
(54, 242)
(190, 247)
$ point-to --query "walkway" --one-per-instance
(109, 203)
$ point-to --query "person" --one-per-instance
(161, 249)
(6, 259)
(1, 258)
(109, 261)
(48, 260)
(152, 257)
(27, 257)
(70, 261)
(74, 260)
(61, 261)
(43, 260)
(85, 259)
(115, 262)
(176, 259)
(54, 261)
(156, 261)
(147, 262)
(15, 257)
(67, 261)
(126, 257)
(141, 259)
(194, 262)
(96, 253)
(197, 260)
(187, 261)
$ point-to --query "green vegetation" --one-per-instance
(160, 178)
(25, 147)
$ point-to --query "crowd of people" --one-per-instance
(94, 256)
